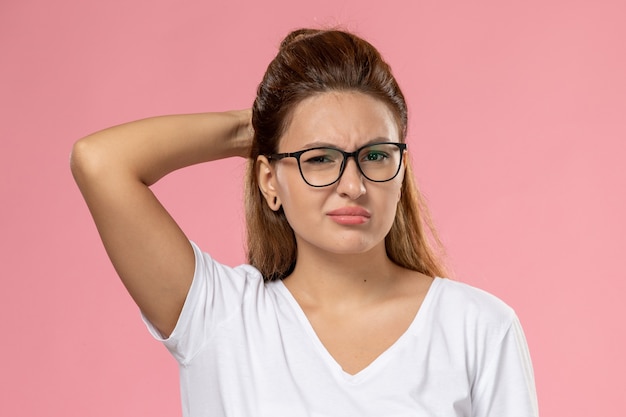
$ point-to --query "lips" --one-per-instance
(349, 215)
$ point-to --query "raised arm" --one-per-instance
(114, 169)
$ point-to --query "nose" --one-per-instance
(351, 182)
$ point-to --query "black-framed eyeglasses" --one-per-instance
(323, 166)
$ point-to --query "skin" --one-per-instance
(115, 167)
(358, 301)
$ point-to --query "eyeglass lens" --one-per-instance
(323, 166)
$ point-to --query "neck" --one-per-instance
(322, 278)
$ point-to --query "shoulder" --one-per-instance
(473, 306)
(216, 281)
(207, 266)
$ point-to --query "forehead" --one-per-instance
(346, 120)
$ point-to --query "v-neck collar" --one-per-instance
(381, 359)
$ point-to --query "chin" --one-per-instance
(352, 248)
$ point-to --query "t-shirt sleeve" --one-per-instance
(506, 385)
(216, 293)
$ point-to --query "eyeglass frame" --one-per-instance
(279, 156)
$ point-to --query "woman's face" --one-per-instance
(354, 214)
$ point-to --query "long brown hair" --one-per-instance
(311, 62)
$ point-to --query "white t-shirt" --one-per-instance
(245, 348)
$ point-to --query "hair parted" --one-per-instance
(311, 62)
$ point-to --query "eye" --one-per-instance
(320, 159)
(372, 155)
(320, 156)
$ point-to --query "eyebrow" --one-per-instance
(321, 144)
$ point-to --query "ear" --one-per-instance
(404, 169)
(266, 177)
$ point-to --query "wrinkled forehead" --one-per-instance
(342, 119)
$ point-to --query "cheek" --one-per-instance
(392, 200)
(288, 185)
(398, 182)
(295, 196)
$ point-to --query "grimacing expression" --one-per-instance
(353, 214)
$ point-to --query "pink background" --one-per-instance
(517, 133)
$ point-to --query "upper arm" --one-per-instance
(151, 254)
(505, 385)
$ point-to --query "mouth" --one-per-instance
(349, 215)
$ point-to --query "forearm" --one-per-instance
(148, 149)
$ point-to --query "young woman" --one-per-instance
(340, 311)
